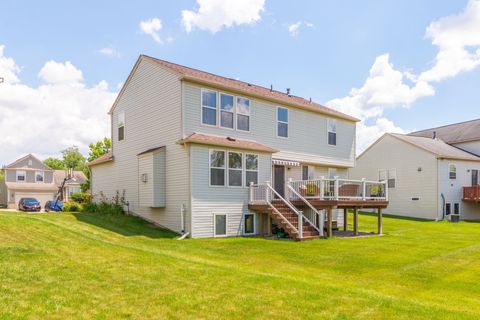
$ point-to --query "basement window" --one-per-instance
(448, 208)
(220, 225)
(456, 208)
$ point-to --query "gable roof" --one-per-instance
(195, 75)
(200, 138)
(453, 133)
(102, 159)
(437, 147)
(14, 165)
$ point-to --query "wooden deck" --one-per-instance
(326, 204)
(471, 194)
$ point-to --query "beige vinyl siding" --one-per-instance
(152, 106)
(391, 153)
(307, 131)
(159, 181)
(145, 188)
(472, 146)
(452, 189)
(207, 201)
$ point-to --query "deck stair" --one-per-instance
(286, 218)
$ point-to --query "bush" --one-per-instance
(90, 206)
(72, 207)
(80, 197)
(105, 205)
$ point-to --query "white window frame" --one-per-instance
(242, 170)
(287, 122)
(17, 173)
(243, 114)
(217, 103)
(234, 118)
(328, 131)
(450, 171)
(215, 225)
(42, 173)
(456, 205)
(450, 205)
(254, 224)
(120, 124)
(225, 165)
(245, 167)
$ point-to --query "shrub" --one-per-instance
(90, 206)
(72, 207)
(80, 197)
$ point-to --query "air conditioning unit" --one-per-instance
(144, 177)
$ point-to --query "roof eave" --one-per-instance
(225, 145)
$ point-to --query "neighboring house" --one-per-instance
(72, 185)
(186, 144)
(428, 174)
(29, 177)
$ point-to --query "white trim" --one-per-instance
(243, 114)
(287, 123)
(42, 174)
(449, 171)
(235, 169)
(17, 174)
(215, 225)
(254, 224)
(249, 170)
(216, 108)
(220, 110)
(210, 168)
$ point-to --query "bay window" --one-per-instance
(243, 114)
(209, 107)
(235, 169)
(217, 168)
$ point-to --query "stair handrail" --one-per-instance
(322, 217)
(297, 212)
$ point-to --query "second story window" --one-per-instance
(121, 126)
(452, 171)
(21, 176)
(243, 114)
(39, 176)
(332, 132)
(226, 111)
(282, 122)
(209, 107)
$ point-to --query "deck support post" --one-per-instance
(329, 222)
(355, 222)
(345, 219)
(380, 227)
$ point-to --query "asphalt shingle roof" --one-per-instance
(453, 133)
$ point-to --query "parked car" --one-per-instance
(29, 204)
(54, 205)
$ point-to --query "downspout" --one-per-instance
(443, 206)
(182, 223)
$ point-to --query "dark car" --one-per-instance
(29, 204)
(53, 205)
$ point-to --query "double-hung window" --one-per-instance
(121, 126)
(243, 114)
(452, 171)
(332, 132)
(21, 176)
(39, 176)
(235, 165)
(227, 111)
(217, 168)
(282, 122)
(251, 169)
(209, 107)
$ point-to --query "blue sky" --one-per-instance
(331, 51)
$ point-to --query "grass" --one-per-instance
(94, 266)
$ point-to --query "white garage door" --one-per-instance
(42, 197)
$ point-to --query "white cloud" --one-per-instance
(60, 73)
(152, 28)
(458, 40)
(213, 15)
(109, 52)
(384, 88)
(294, 28)
(8, 68)
(367, 134)
(59, 113)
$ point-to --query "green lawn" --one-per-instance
(88, 266)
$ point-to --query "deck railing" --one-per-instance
(326, 189)
(471, 193)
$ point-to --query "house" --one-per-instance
(430, 173)
(29, 177)
(191, 150)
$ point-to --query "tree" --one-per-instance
(72, 158)
(1, 175)
(54, 163)
(99, 148)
